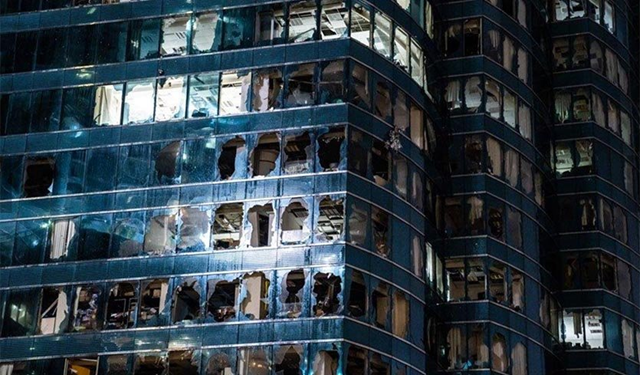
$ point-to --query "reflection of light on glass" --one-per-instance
(77, 135)
(91, 11)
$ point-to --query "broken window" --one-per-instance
(207, 33)
(453, 216)
(623, 275)
(514, 227)
(357, 361)
(262, 222)
(171, 98)
(227, 226)
(255, 296)
(382, 103)
(476, 280)
(332, 85)
(612, 117)
(116, 364)
(160, 234)
(195, 229)
(330, 149)
(220, 364)
(381, 304)
(401, 48)
(360, 86)
(334, 19)
(84, 366)
(62, 232)
(473, 94)
(526, 176)
(54, 311)
(473, 154)
(584, 150)
(186, 301)
(380, 228)
(494, 157)
(230, 160)
(166, 162)
(382, 34)
(150, 364)
(294, 223)
(298, 151)
(608, 270)
(418, 64)
(523, 65)
(561, 53)
(357, 305)
(173, 35)
(380, 163)
(475, 215)
(453, 40)
(85, 308)
(495, 222)
(153, 301)
(510, 110)
(596, 58)
(121, 306)
(517, 290)
(265, 154)
(267, 89)
(288, 359)
(400, 314)
(401, 174)
(144, 39)
(358, 219)
(270, 25)
(184, 362)
(330, 223)
(326, 290)
(292, 293)
(139, 101)
(493, 104)
(39, 174)
(580, 57)
(512, 167)
(222, 298)
(472, 37)
(498, 282)
(302, 21)
(499, 358)
(301, 82)
(379, 365)
(609, 19)
(452, 95)
(417, 255)
(562, 106)
(326, 362)
(581, 105)
(235, 93)
(127, 234)
(203, 95)
(253, 361)
(238, 28)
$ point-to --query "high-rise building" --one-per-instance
(324, 187)
(216, 187)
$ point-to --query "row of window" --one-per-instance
(205, 299)
(16, 6)
(517, 9)
(480, 94)
(601, 11)
(478, 215)
(485, 154)
(211, 94)
(585, 157)
(580, 214)
(476, 36)
(591, 329)
(582, 52)
(254, 360)
(596, 270)
(476, 279)
(466, 347)
(584, 104)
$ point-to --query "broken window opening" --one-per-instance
(472, 37)
(298, 153)
(128, 234)
(302, 21)
(473, 147)
(222, 299)
(152, 302)
(357, 361)
(262, 222)
(358, 222)
(381, 305)
(139, 101)
(203, 95)
(206, 34)
(195, 229)
(253, 361)
(167, 163)
(330, 146)
(39, 174)
(498, 282)
(85, 308)
(54, 311)
(62, 232)
(334, 19)
(255, 293)
(332, 82)
(330, 219)
(379, 365)
(264, 156)
(116, 364)
(150, 364)
(270, 25)
(326, 290)
(228, 161)
(108, 104)
(235, 93)
(160, 235)
(360, 87)
(219, 364)
(301, 90)
(121, 306)
(186, 301)
(292, 296)
(267, 89)
(380, 227)
(294, 224)
(227, 226)
(401, 43)
(326, 362)
(288, 360)
(361, 23)
(81, 366)
(473, 94)
(184, 362)
(380, 163)
(382, 104)
(357, 305)
(476, 280)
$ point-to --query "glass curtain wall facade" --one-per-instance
(217, 188)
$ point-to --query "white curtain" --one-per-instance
(524, 120)
(519, 359)
(107, 105)
(63, 232)
(6, 369)
(499, 360)
(563, 106)
(454, 339)
(522, 13)
(598, 109)
(523, 65)
(494, 154)
(612, 66)
(508, 52)
(595, 53)
(452, 94)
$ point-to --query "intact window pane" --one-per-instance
(511, 161)
(144, 39)
(45, 107)
(361, 24)
(174, 35)
(82, 48)
(51, 48)
(382, 34)
(171, 98)
(207, 33)
(112, 42)
(25, 57)
(19, 117)
(8, 42)
(100, 172)
(198, 160)
(383, 99)
(453, 40)
(238, 28)
(302, 21)
(235, 92)
(133, 166)
(203, 95)
(77, 108)
(139, 101)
